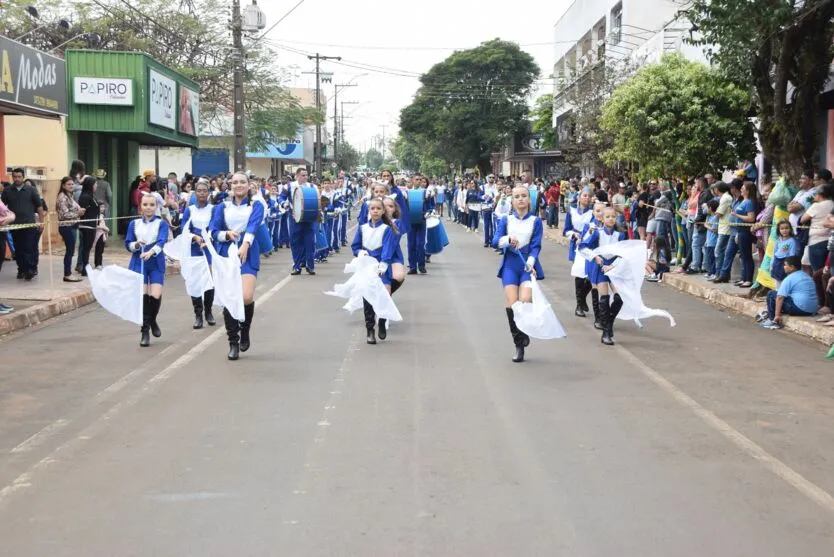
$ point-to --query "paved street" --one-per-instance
(715, 438)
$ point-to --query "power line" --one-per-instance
(377, 47)
(285, 16)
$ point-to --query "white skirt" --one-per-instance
(578, 268)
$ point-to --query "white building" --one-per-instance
(595, 34)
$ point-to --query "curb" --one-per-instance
(61, 305)
(721, 299)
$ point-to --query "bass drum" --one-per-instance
(305, 204)
(415, 205)
(436, 238)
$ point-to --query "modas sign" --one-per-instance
(33, 79)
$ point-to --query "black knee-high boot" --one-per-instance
(579, 288)
(370, 321)
(616, 306)
(208, 301)
(605, 317)
(395, 285)
(249, 313)
(587, 289)
(145, 340)
(233, 333)
(595, 305)
(197, 304)
(156, 303)
(520, 340)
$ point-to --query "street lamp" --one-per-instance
(93, 39)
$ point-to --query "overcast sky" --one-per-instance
(402, 38)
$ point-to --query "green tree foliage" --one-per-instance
(541, 118)
(471, 103)
(348, 156)
(678, 117)
(373, 158)
(190, 36)
(407, 152)
(783, 52)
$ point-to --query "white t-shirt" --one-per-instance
(805, 198)
(818, 211)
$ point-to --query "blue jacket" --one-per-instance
(532, 249)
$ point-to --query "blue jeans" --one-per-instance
(720, 251)
(729, 257)
(68, 234)
(699, 238)
(664, 231)
(788, 307)
(745, 248)
(709, 260)
(553, 215)
(474, 217)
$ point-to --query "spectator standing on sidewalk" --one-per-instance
(87, 229)
(725, 207)
(25, 203)
(104, 192)
(553, 194)
(69, 211)
(815, 217)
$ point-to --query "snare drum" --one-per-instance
(432, 221)
(305, 204)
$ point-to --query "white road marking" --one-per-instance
(41, 436)
(25, 479)
(781, 470)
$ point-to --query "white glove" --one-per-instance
(382, 267)
(531, 261)
(362, 253)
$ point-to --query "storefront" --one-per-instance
(121, 101)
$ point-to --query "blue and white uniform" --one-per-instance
(302, 234)
(398, 250)
(516, 263)
(486, 212)
(244, 219)
(264, 238)
(379, 241)
(416, 233)
(200, 218)
(575, 222)
(594, 236)
(154, 233)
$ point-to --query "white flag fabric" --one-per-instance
(193, 268)
(119, 291)
(365, 283)
(627, 277)
(228, 288)
(536, 318)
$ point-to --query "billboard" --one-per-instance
(32, 79)
(189, 122)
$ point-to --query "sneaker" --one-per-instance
(653, 278)
(769, 324)
(762, 315)
(4, 311)
(709, 277)
(674, 261)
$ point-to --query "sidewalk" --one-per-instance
(727, 296)
(37, 300)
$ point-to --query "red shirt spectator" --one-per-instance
(553, 194)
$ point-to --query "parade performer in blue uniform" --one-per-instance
(145, 238)
(376, 238)
(338, 215)
(346, 195)
(264, 238)
(519, 236)
(417, 232)
(237, 220)
(575, 222)
(398, 261)
(486, 213)
(594, 236)
(302, 235)
(199, 216)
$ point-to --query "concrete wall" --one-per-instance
(174, 159)
(37, 142)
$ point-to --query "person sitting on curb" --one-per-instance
(797, 295)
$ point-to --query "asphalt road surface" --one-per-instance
(714, 438)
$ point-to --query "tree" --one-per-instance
(783, 52)
(349, 157)
(191, 37)
(541, 118)
(470, 104)
(373, 158)
(407, 152)
(678, 117)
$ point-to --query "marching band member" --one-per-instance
(199, 214)
(377, 239)
(397, 262)
(417, 232)
(575, 222)
(264, 238)
(346, 199)
(302, 235)
(338, 219)
(486, 213)
(237, 220)
(519, 235)
(597, 235)
(377, 189)
(145, 238)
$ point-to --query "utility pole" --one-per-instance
(336, 118)
(318, 58)
(239, 124)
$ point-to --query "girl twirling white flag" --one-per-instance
(626, 275)
(194, 269)
(365, 283)
(536, 318)
(228, 287)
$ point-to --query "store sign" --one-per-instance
(162, 100)
(31, 78)
(102, 90)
